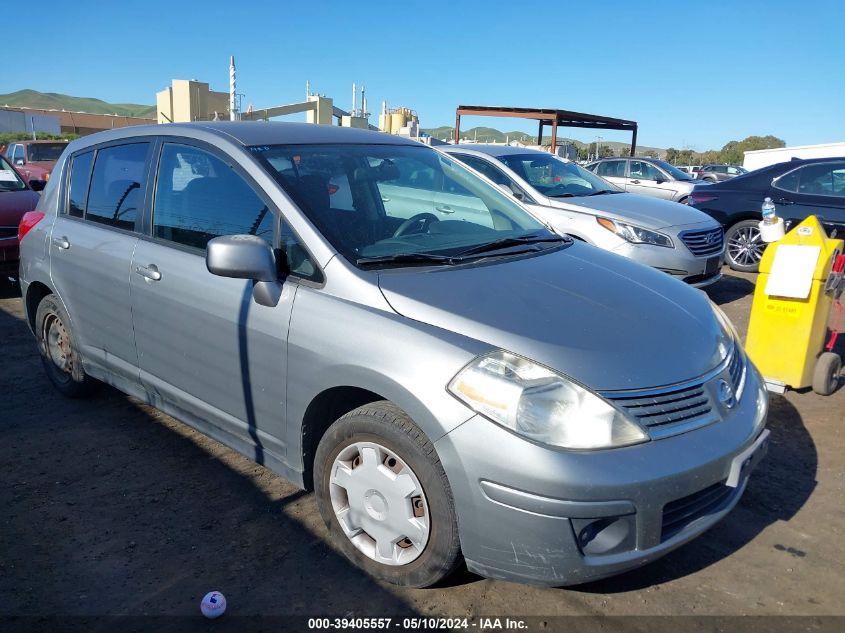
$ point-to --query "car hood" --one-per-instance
(644, 211)
(603, 320)
(13, 204)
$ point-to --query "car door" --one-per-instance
(91, 249)
(646, 179)
(204, 346)
(817, 189)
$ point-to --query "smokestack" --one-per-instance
(354, 99)
(384, 107)
(307, 88)
(363, 101)
(233, 115)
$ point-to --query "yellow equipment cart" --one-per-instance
(791, 309)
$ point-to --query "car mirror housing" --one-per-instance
(241, 257)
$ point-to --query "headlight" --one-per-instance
(762, 405)
(635, 234)
(727, 326)
(541, 405)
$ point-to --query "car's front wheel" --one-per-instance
(745, 246)
(385, 498)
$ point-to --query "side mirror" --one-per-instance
(20, 162)
(37, 185)
(509, 191)
(246, 257)
(660, 180)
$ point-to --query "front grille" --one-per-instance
(8, 231)
(703, 243)
(681, 512)
(677, 409)
(669, 412)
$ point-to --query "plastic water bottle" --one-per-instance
(769, 212)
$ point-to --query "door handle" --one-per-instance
(148, 272)
(445, 208)
(784, 201)
(385, 199)
(61, 242)
(635, 182)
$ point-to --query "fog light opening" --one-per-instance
(606, 535)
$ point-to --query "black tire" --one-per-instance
(387, 425)
(684, 200)
(826, 373)
(705, 179)
(58, 349)
(744, 248)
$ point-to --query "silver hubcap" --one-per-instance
(745, 246)
(379, 503)
(58, 344)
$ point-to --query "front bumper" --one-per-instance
(531, 513)
(678, 262)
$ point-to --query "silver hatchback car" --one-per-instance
(477, 388)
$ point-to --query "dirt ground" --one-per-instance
(110, 507)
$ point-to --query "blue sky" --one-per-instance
(693, 74)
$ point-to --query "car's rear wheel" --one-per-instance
(385, 498)
(684, 200)
(59, 352)
(744, 246)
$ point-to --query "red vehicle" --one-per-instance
(16, 198)
(34, 159)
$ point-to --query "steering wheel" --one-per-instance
(423, 219)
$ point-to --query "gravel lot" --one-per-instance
(110, 507)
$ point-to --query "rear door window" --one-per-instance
(644, 171)
(117, 185)
(611, 168)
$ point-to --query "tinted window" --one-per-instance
(827, 179)
(555, 177)
(199, 197)
(18, 152)
(640, 170)
(611, 168)
(46, 151)
(117, 189)
(482, 166)
(80, 176)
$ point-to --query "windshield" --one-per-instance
(400, 203)
(45, 151)
(9, 178)
(556, 178)
(676, 173)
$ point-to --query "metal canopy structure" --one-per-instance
(553, 118)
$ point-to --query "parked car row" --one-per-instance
(370, 318)
(646, 176)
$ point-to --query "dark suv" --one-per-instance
(719, 173)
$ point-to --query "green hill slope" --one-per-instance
(55, 101)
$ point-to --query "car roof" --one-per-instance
(248, 133)
(494, 150)
(36, 142)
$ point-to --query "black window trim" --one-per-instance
(278, 217)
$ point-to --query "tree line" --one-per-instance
(732, 153)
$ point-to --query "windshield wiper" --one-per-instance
(561, 195)
(507, 242)
(409, 258)
(602, 191)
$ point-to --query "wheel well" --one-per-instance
(321, 414)
(34, 294)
